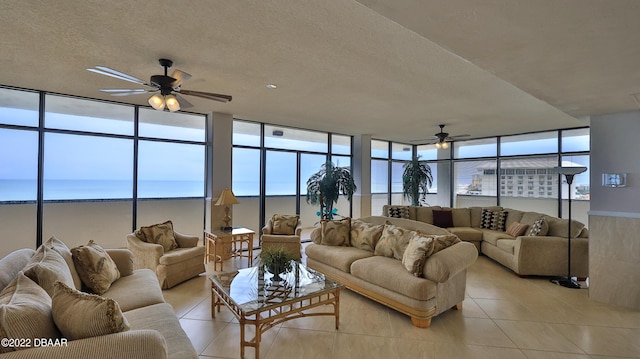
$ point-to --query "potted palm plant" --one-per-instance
(416, 180)
(325, 186)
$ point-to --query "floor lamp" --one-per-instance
(568, 173)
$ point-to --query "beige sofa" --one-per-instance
(385, 280)
(525, 255)
(155, 331)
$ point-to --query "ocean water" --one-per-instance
(26, 190)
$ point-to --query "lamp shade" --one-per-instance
(227, 197)
(157, 101)
(172, 103)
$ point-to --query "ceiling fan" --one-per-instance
(442, 139)
(167, 89)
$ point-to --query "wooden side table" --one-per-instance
(228, 244)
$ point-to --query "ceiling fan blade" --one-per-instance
(207, 95)
(116, 74)
(180, 76)
(452, 138)
(183, 101)
(124, 90)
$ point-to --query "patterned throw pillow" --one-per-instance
(82, 315)
(498, 220)
(539, 228)
(336, 233)
(443, 241)
(517, 229)
(25, 312)
(443, 218)
(393, 241)
(398, 212)
(365, 235)
(486, 218)
(284, 224)
(161, 233)
(95, 267)
(420, 247)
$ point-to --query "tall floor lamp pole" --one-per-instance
(569, 173)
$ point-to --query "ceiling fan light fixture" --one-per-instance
(438, 145)
(445, 145)
(172, 103)
(157, 102)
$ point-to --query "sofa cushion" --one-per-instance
(419, 248)
(389, 273)
(13, 263)
(443, 218)
(183, 254)
(513, 216)
(161, 233)
(559, 227)
(365, 235)
(64, 251)
(25, 312)
(530, 217)
(96, 269)
(425, 214)
(284, 224)
(398, 212)
(461, 217)
(145, 284)
(47, 267)
(491, 236)
(82, 315)
(467, 233)
(338, 257)
(336, 232)
(539, 228)
(393, 241)
(516, 229)
(506, 245)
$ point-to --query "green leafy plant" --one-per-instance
(276, 258)
(416, 180)
(325, 186)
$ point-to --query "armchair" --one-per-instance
(181, 262)
(271, 233)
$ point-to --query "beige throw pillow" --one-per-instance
(415, 256)
(365, 235)
(62, 249)
(284, 224)
(25, 312)
(95, 267)
(336, 232)
(47, 267)
(441, 242)
(161, 234)
(516, 229)
(393, 241)
(82, 315)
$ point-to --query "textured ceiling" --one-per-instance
(394, 69)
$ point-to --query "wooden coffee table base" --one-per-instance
(265, 318)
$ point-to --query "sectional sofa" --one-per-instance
(364, 263)
(40, 299)
(544, 254)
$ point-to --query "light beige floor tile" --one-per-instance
(418, 349)
(227, 343)
(302, 344)
(348, 346)
(537, 336)
(401, 327)
(202, 332)
(621, 342)
(448, 350)
(505, 309)
(471, 309)
(477, 331)
(538, 354)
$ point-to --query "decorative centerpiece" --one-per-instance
(277, 260)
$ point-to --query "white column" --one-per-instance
(362, 175)
(219, 167)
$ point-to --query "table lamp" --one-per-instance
(226, 198)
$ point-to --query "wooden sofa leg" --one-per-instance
(458, 306)
(421, 323)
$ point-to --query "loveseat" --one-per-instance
(140, 323)
(527, 254)
(364, 264)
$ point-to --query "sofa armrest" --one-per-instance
(139, 344)
(298, 230)
(450, 261)
(534, 252)
(186, 240)
(123, 259)
(145, 255)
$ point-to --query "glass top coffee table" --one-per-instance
(258, 297)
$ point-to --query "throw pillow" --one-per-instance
(539, 228)
(284, 224)
(46, 268)
(486, 218)
(365, 235)
(95, 267)
(398, 212)
(62, 249)
(443, 218)
(393, 241)
(161, 233)
(335, 232)
(516, 229)
(82, 315)
(415, 256)
(25, 312)
(443, 241)
(498, 220)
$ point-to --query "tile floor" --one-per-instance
(503, 316)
